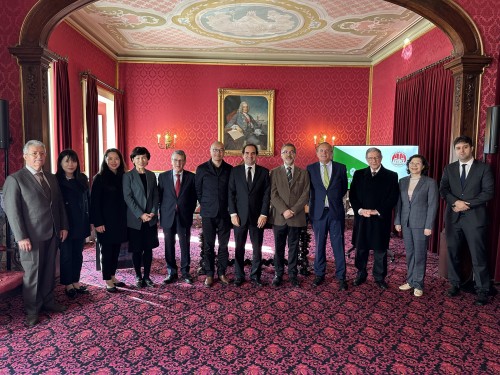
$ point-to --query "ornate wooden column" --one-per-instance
(34, 64)
(467, 71)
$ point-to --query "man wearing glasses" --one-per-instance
(211, 180)
(374, 193)
(289, 195)
(36, 214)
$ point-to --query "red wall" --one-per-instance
(82, 56)
(183, 99)
(429, 48)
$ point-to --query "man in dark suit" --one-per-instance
(374, 193)
(467, 185)
(177, 205)
(212, 180)
(35, 210)
(327, 212)
(249, 197)
(289, 195)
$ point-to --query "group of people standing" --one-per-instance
(46, 211)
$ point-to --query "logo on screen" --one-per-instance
(398, 159)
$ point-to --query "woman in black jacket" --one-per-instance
(74, 187)
(108, 214)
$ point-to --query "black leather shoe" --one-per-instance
(82, 290)
(382, 285)
(257, 282)
(170, 279)
(119, 284)
(481, 299)
(112, 289)
(31, 320)
(453, 291)
(295, 282)
(318, 280)
(358, 281)
(55, 307)
(149, 282)
(71, 293)
(342, 285)
(277, 281)
(187, 279)
(239, 282)
(139, 282)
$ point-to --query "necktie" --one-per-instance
(326, 181)
(374, 174)
(178, 184)
(249, 177)
(462, 176)
(45, 186)
(289, 175)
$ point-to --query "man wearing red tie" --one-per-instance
(177, 205)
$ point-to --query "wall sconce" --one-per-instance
(322, 138)
(169, 141)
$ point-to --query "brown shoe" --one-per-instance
(209, 281)
(224, 280)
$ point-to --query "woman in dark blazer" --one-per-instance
(74, 187)
(108, 214)
(140, 191)
(415, 214)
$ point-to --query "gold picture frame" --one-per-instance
(246, 116)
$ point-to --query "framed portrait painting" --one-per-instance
(246, 116)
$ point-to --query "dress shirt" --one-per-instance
(467, 167)
(33, 172)
(252, 170)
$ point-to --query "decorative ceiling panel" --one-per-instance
(323, 31)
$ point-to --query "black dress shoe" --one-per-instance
(295, 282)
(139, 282)
(187, 279)
(112, 289)
(342, 285)
(257, 282)
(481, 299)
(453, 291)
(239, 282)
(277, 281)
(55, 307)
(382, 285)
(71, 293)
(358, 281)
(119, 284)
(318, 280)
(82, 290)
(170, 279)
(149, 282)
(31, 320)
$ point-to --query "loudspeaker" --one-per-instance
(4, 124)
(492, 130)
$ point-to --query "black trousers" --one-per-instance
(213, 227)
(185, 245)
(109, 259)
(281, 234)
(71, 260)
(256, 237)
(379, 263)
(144, 257)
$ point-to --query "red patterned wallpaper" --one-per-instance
(82, 56)
(12, 14)
(184, 98)
(429, 48)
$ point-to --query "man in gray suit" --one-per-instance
(467, 185)
(289, 195)
(35, 210)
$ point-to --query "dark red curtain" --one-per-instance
(120, 121)
(422, 117)
(92, 126)
(62, 106)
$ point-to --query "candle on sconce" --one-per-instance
(315, 139)
(158, 135)
(333, 140)
(175, 138)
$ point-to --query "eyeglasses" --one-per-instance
(374, 158)
(218, 150)
(37, 153)
(287, 152)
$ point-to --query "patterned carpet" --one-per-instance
(182, 329)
